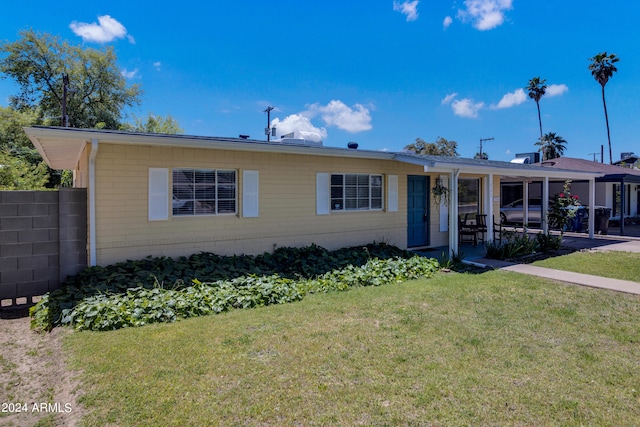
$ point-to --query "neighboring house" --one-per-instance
(172, 195)
(628, 160)
(615, 186)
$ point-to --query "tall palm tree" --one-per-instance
(552, 146)
(536, 89)
(602, 69)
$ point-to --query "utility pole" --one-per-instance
(65, 91)
(267, 130)
(594, 156)
(481, 141)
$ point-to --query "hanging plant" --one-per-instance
(440, 193)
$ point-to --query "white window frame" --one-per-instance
(216, 198)
(339, 203)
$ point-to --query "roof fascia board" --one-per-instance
(201, 142)
(516, 173)
(441, 165)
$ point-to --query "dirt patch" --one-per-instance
(36, 386)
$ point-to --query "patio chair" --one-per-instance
(497, 230)
(481, 226)
(467, 232)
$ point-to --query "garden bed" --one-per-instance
(164, 289)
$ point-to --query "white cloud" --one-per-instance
(466, 107)
(301, 126)
(157, 65)
(555, 90)
(511, 99)
(408, 8)
(447, 99)
(484, 14)
(107, 29)
(337, 113)
(446, 22)
(129, 74)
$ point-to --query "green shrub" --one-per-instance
(178, 274)
(516, 246)
(548, 242)
(522, 245)
(141, 306)
(452, 262)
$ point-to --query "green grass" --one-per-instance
(615, 265)
(491, 349)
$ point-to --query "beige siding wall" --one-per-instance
(287, 205)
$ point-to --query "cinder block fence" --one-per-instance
(43, 239)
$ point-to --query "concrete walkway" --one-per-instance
(599, 244)
(577, 278)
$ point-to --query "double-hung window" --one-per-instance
(356, 192)
(204, 192)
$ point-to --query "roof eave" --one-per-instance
(42, 137)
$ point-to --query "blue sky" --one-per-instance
(380, 73)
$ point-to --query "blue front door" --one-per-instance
(417, 211)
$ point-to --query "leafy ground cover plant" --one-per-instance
(169, 274)
(140, 306)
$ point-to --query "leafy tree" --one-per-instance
(13, 140)
(15, 143)
(602, 68)
(483, 156)
(536, 89)
(551, 146)
(441, 147)
(18, 174)
(155, 124)
(38, 63)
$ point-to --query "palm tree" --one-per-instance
(552, 146)
(602, 69)
(536, 89)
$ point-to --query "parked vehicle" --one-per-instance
(514, 212)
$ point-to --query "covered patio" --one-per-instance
(452, 170)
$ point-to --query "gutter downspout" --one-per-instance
(92, 202)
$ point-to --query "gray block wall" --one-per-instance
(43, 238)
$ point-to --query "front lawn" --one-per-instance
(490, 349)
(615, 265)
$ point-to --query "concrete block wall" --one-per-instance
(42, 241)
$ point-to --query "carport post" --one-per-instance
(592, 206)
(488, 206)
(623, 197)
(525, 204)
(545, 206)
(453, 212)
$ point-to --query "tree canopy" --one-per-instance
(536, 90)
(602, 68)
(441, 147)
(154, 124)
(98, 92)
(551, 146)
(18, 174)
